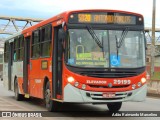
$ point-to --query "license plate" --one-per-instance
(108, 95)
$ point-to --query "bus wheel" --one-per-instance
(51, 105)
(18, 96)
(115, 106)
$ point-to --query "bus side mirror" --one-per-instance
(145, 40)
(145, 43)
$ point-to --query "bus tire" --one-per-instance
(52, 106)
(18, 97)
(115, 106)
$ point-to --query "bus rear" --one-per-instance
(104, 58)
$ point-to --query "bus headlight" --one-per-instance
(143, 80)
(76, 84)
(83, 86)
(139, 84)
(70, 79)
(133, 86)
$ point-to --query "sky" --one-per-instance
(48, 8)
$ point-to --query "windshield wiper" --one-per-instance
(120, 42)
(94, 36)
(123, 36)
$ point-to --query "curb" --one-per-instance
(153, 95)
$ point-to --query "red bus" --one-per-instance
(83, 56)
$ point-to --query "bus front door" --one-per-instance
(57, 65)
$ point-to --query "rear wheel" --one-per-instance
(116, 106)
(51, 105)
(18, 96)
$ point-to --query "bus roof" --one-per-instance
(64, 16)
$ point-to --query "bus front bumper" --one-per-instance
(75, 95)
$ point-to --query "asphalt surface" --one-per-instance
(74, 111)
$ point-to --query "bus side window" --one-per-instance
(36, 44)
(46, 37)
(6, 52)
(14, 56)
(16, 49)
(21, 49)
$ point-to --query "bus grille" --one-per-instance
(99, 96)
(98, 86)
(107, 72)
(104, 74)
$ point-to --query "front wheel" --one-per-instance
(18, 97)
(51, 105)
(116, 106)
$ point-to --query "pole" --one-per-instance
(153, 37)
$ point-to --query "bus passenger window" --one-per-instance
(46, 41)
(36, 44)
(6, 52)
(36, 51)
(16, 49)
(21, 49)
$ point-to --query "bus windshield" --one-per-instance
(116, 50)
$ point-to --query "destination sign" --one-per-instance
(107, 18)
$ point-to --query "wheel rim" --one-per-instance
(16, 91)
(47, 96)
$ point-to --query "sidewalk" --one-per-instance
(153, 88)
(153, 95)
(4, 91)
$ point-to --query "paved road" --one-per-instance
(75, 111)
